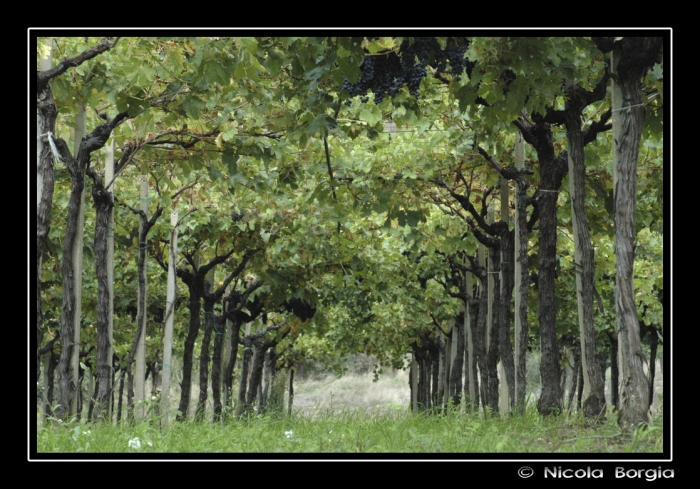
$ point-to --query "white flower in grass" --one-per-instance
(87, 432)
(135, 443)
(150, 444)
(289, 434)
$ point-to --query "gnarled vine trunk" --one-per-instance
(46, 122)
(103, 204)
(593, 381)
(631, 59)
(195, 306)
(552, 172)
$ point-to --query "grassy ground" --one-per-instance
(351, 415)
(356, 432)
(353, 391)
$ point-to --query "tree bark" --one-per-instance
(275, 400)
(109, 177)
(195, 306)
(550, 401)
(204, 357)
(168, 320)
(593, 381)
(103, 204)
(652, 360)
(576, 354)
(50, 362)
(631, 59)
(76, 167)
(443, 375)
(481, 343)
(216, 368)
(268, 376)
(64, 371)
(257, 372)
(413, 383)
(522, 278)
(233, 345)
(46, 122)
(139, 390)
(493, 287)
(120, 397)
(434, 360)
(506, 298)
(467, 339)
(552, 172)
(493, 336)
(614, 373)
(458, 361)
(242, 407)
(77, 260)
(290, 402)
(473, 362)
(194, 279)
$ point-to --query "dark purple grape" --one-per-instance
(386, 74)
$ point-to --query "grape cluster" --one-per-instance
(386, 74)
(254, 307)
(425, 50)
(237, 217)
(382, 74)
(300, 308)
(455, 55)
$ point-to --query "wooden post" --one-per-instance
(78, 135)
(109, 176)
(505, 401)
(140, 367)
(169, 318)
(44, 65)
(414, 384)
(470, 346)
(521, 279)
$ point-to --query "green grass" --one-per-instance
(358, 431)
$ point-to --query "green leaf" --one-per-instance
(318, 125)
(192, 106)
(350, 68)
(196, 161)
(229, 158)
(316, 73)
(240, 72)
(250, 44)
(214, 173)
(371, 116)
(659, 281)
(414, 217)
(195, 59)
(274, 62)
(401, 215)
(382, 44)
(215, 73)
(133, 106)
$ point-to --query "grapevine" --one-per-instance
(385, 74)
